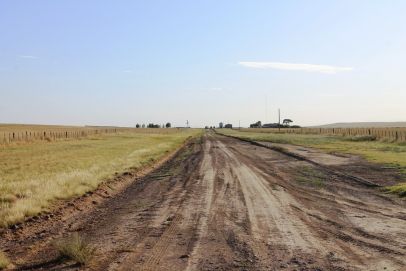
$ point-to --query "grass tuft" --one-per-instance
(76, 249)
(4, 261)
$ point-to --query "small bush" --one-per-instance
(4, 261)
(76, 249)
(399, 189)
(362, 138)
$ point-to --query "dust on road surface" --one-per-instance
(224, 204)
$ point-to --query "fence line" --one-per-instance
(60, 133)
(393, 134)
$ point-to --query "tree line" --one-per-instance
(152, 125)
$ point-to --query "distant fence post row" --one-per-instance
(393, 134)
(68, 133)
(20, 136)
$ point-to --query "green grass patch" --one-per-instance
(399, 189)
(361, 138)
(35, 175)
(308, 175)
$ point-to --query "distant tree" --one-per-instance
(168, 125)
(287, 122)
(143, 126)
(137, 126)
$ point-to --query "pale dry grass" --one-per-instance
(75, 248)
(35, 175)
(17, 134)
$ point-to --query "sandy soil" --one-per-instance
(224, 204)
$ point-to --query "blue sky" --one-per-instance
(127, 62)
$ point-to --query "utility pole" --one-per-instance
(279, 121)
(239, 125)
(187, 124)
(266, 108)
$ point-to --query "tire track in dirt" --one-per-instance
(271, 219)
(207, 173)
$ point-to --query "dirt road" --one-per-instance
(224, 204)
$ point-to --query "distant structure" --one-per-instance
(271, 125)
(257, 124)
(221, 125)
(286, 123)
(229, 126)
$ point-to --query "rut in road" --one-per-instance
(224, 204)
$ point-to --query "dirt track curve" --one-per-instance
(224, 204)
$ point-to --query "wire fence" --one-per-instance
(392, 134)
(8, 137)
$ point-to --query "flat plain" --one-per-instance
(223, 203)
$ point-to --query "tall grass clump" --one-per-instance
(75, 248)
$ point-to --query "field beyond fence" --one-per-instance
(10, 133)
(390, 134)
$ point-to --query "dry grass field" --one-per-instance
(35, 174)
(20, 133)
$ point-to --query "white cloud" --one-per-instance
(28, 57)
(295, 67)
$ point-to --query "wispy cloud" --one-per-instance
(296, 67)
(216, 89)
(28, 57)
